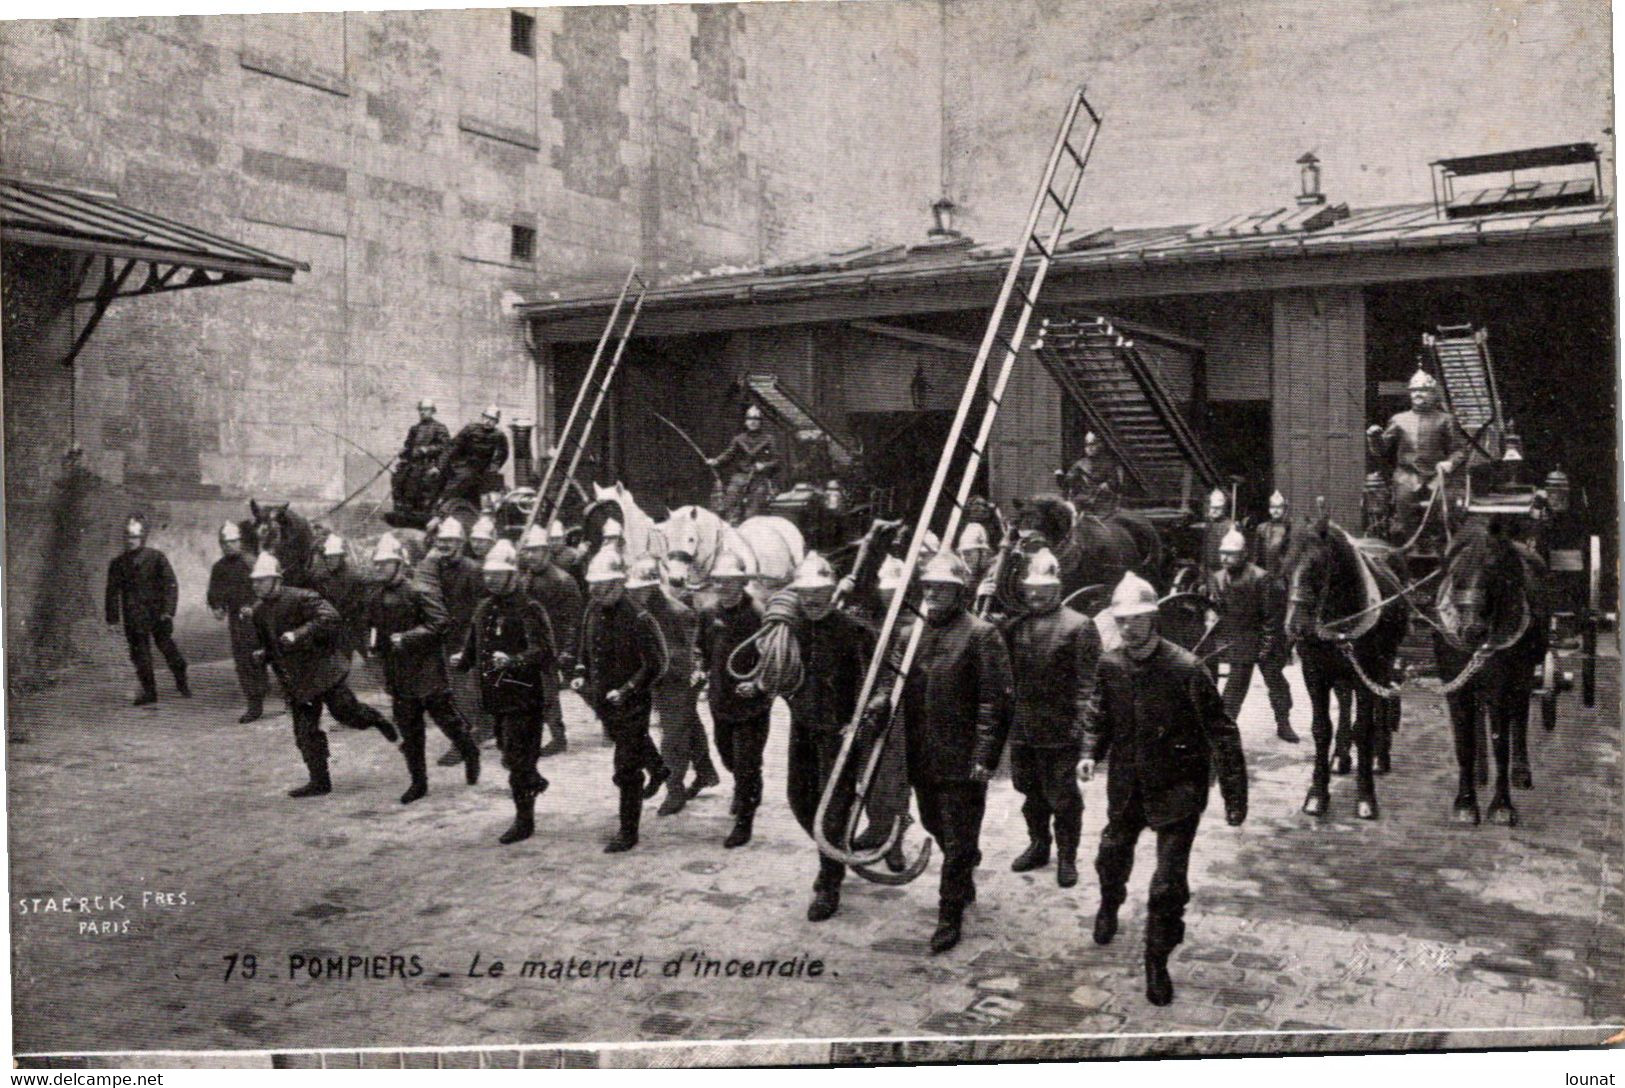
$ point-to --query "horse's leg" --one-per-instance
(1481, 731)
(1319, 687)
(1519, 710)
(1345, 731)
(1463, 706)
(1500, 717)
(1365, 728)
(1387, 718)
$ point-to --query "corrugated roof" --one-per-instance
(56, 217)
(1394, 227)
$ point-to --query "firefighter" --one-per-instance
(954, 715)
(511, 646)
(345, 589)
(560, 597)
(231, 597)
(1272, 541)
(407, 625)
(739, 711)
(1159, 718)
(1420, 446)
(1054, 652)
(416, 482)
(1089, 474)
(622, 656)
(456, 577)
(1246, 631)
(835, 651)
(975, 550)
(300, 635)
(752, 463)
(472, 465)
(1220, 520)
(141, 595)
(682, 736)
(481, 536)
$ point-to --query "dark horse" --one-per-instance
(1344, 611)
(1493, 619)
(276, 529)
(1091, 551)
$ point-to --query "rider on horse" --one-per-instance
(416, 482)
(1095, 470)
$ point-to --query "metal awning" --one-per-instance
(115, 241)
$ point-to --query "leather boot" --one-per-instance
(524, 821)
(470, 753)
(255, 711)
(449, 758)
(631, 810)
(744, 823)
(826, 901)
(557, 744)
(946, 935)
(1067, 834)
(1066, 868)
(1159, 988)
(657, 778)
(1106, 923)
(705, 776)
(319, 783)
(1284, 730)
(145, 698)
(677, 796)
(1035, 856)
(180, 683)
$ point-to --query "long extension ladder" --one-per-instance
(572, 441)
(893, 659)
(1462, 363)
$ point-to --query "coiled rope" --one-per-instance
(778, 669)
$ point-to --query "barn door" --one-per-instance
(1318, 389)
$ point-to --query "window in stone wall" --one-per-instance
(522, 33)
(523, 248)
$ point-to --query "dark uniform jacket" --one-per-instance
(955, 699)
(721, 632)
(141, 589)
(230, 587)
(622, 650)
(1162, 724)
(516, 625)
(1271, 541)
(748, 450)
(560, 596)
(1246, 619)
(679, 627)
(1414, 443)
(1054, 656)
(835, 653)
(417, 670)
(477, 450)
(1088, 474)
(426, 441)
(460, 586)
(347, 591)
(316, 661)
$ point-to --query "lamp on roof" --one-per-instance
(942, 211)
(1309, 180)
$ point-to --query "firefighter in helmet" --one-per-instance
(1422, 447)
(751, 462)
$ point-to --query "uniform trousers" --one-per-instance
(740, 742)
(251, 674)
(519, 739)
(682, 734)
(812, 757)
(409, 711)
(141, 640)
(1170, 888)
(1047, 780)
(346, 710)
(952, 814)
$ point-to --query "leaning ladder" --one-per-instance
(573, 439)
(1033, 254)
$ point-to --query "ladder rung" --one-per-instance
(1072, 151)
(1059, 203)
(1038, 245)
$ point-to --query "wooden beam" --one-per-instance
(913, 336)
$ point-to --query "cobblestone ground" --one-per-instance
(1409, 923)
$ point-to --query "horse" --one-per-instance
(616, 502)
(1348, 615)
(275, 528)
(692, 538)
(1490, 636)
(1091, 551)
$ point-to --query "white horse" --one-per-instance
(636, 526)
(693, 537)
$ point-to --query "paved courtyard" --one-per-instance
(1296, 924)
